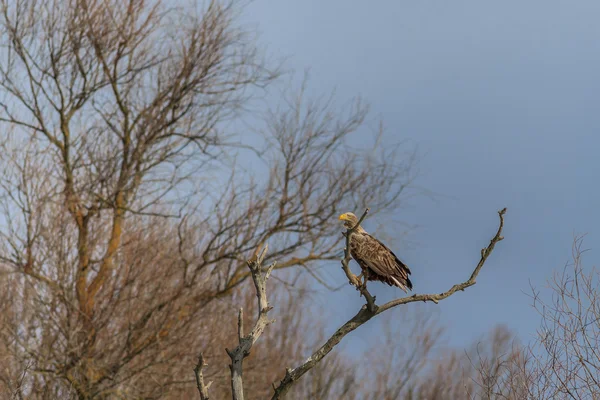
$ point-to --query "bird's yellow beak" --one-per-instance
(343, 217)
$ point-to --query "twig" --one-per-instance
(237, 355)
(345, 266)
(241, 323)
(202, 388)
(366, 313)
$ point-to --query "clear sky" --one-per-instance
(502, 99)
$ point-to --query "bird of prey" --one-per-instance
(378, 263)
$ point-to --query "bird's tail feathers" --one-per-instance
(401, 286)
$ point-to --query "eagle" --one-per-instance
(377, 261)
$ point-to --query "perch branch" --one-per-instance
(237, 355)
(366, 313)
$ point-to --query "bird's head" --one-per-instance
(350, 220)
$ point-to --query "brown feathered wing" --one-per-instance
(382, 264)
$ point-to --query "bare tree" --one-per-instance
(371, 310)
(566, 358)
(498, 368)
(563, 362)
(125, 220)
(288, 340)
(410, 360)
(414, 363)
(398, 359)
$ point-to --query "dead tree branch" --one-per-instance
(202, 388)
(369, 311)
(237, 355)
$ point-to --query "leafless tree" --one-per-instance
(563, 362)
(371, 309)
(498, 368)
(566, 354)
(414, 363)
(410, 360)
(288, 340)
(125, 220)
(399, 358)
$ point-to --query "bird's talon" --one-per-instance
(354, 280)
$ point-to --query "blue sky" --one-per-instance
(501, 99)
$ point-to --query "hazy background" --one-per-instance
(501, 100)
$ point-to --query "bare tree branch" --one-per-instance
(242, 350)
(202, 388)
(366, 313)
(563, 362)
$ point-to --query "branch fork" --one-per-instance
(260, 276)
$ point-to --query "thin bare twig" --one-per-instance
(366, 313)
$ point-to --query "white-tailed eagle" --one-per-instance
(378, 263)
